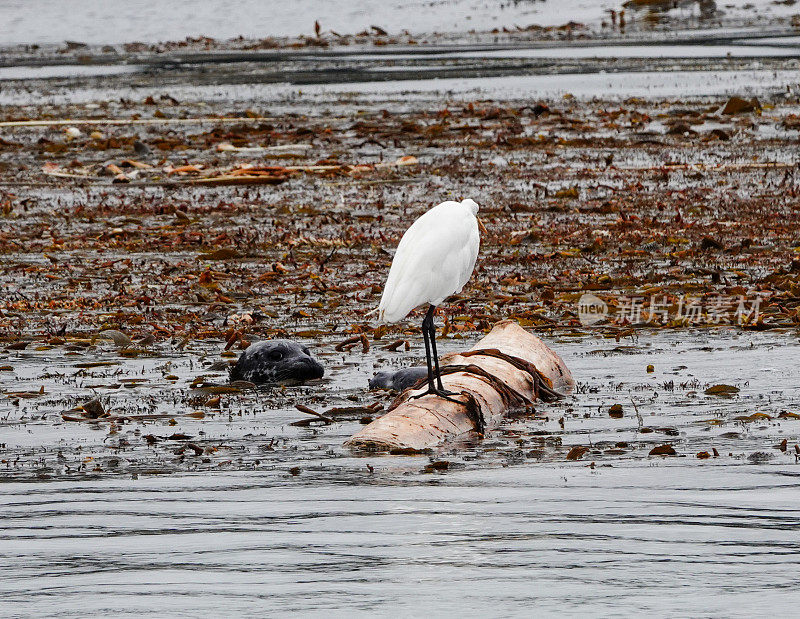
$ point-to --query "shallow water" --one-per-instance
(645, 84)
(774, 49)
(118, 21)
(46, 21)
(60, 71)
(561, 539)
(510, 526)
(611, 85)
(669, 401)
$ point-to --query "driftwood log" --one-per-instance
(508, 369)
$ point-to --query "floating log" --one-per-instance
(508, 369)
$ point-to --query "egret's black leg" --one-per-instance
(425, 337)
(439, 385)
(429, 335)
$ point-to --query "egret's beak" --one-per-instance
(481, 227)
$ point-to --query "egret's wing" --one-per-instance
(434, 259)
(410, 276)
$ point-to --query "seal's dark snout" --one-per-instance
(309, 368)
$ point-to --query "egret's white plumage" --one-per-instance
(435, 259)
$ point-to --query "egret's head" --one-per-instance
(471, 204)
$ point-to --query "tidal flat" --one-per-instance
(158, 213)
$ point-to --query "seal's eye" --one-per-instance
(276, 355)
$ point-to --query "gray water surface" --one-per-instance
(670, 540)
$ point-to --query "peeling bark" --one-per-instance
(508, 369)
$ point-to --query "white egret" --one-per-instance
(435, 259)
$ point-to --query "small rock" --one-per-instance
(118, 337)
(141, 148)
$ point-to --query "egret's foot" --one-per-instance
(442, 393)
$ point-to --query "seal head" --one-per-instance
(276, 361)
(399, 380)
